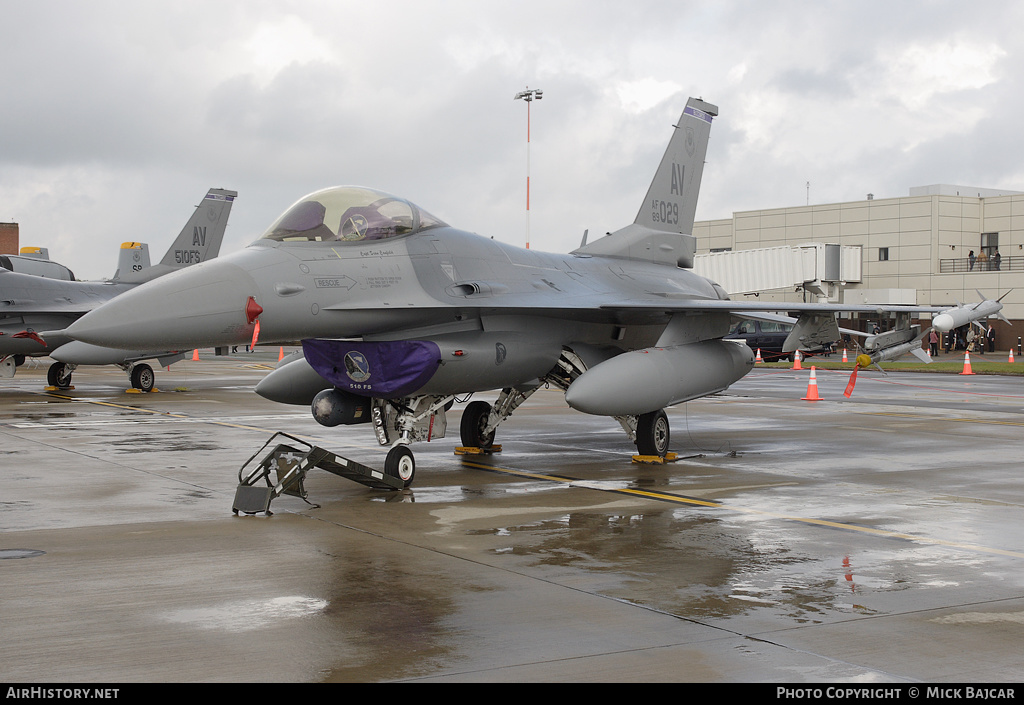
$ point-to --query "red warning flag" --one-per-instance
(852, 383)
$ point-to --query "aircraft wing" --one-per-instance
(741, 307)
(27, 294)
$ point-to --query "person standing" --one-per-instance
(970, 261)
(991, 336)
(933, 342)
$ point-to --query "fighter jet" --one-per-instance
(34, 299)
(400, 314)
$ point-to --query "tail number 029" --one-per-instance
(665, 212)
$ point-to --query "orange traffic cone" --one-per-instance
(812, 388)
(1011, 355)
(796, 360)
(280, 355)
(757, 358)
(195, 355)
(967, 364)
(844, 355)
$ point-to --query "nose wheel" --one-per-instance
(401, 464)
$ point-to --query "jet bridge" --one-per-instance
(817, 267)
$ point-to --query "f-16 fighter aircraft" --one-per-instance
(31, 304)
(399, 313)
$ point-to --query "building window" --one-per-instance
(989, 245)
(883, 254)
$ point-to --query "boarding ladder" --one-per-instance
(284, 468)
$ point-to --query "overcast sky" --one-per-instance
(118, 116)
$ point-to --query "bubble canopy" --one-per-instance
(349, 214)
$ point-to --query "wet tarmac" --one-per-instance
(878, 539)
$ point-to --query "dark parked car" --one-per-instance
(768, 336)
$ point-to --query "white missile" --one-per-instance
(896, 351)
(962, 315)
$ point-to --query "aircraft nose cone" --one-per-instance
(204, 305)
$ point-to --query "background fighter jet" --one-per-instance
(398, 313)
(32, 303)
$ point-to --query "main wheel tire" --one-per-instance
(652, 433)
(401, 464)
(143, 378)
(474, 421)
(59, 375)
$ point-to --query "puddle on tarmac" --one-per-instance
(686, 562)
(164, 442)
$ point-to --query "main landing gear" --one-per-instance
(652, 433)
(474, 426)
(59, 375)
(400, 422)
(141, 375)
(477, 429)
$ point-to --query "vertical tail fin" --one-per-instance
(34, 252)
(663, 226)
(197, 242)
(132, 258)
(671, 201)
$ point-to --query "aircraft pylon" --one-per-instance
(812, 387)
(967, 364)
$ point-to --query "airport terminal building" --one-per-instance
(936, 246)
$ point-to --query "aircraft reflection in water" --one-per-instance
(399, 312)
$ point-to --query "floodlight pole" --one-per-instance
(528, 95)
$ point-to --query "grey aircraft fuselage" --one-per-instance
(441, 280)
